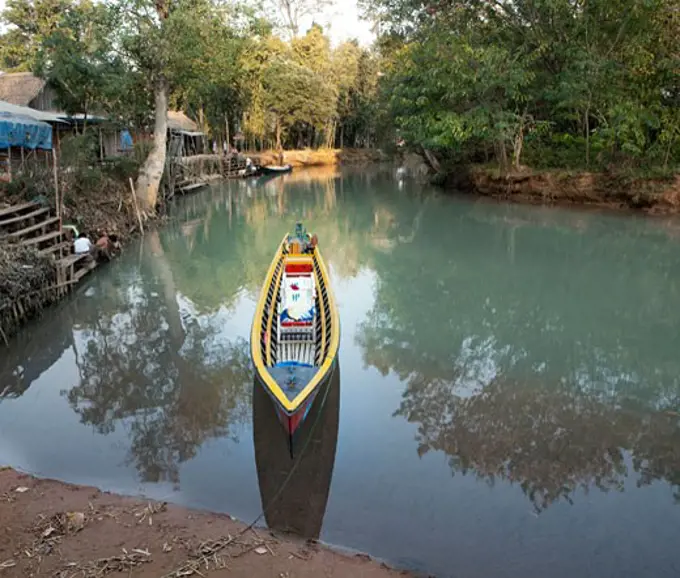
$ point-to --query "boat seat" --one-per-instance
(298, 302)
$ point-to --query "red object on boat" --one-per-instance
(299, 268)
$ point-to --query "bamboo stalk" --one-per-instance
(134, 200)
(55, 175)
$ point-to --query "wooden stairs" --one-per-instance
(32, 225)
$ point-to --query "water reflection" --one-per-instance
(294, 491)
(549, 441)
(530, 352)
(525, 357)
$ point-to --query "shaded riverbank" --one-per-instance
(650, 195)
(55, 529)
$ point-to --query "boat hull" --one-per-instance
(293, 421)
(276, 170)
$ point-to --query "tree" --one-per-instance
(153, 38)
(77, 61)
(29, 23)
(586, 83)
(290, 13)
(297, 95)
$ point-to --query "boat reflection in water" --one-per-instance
(299, 506)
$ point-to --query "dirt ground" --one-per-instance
(653, 196)
(62, 531)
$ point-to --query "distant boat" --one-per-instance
(277, 170)
(296, 330)
(294, 489)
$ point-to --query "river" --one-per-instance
(509, 392)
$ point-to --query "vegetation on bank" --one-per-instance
(550, 84)
(226, 65)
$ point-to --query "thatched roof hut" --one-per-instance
(20, 88)
(179, 121)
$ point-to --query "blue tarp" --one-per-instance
(126, 141)
(23, 131)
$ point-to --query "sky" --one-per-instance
(344, 21)
(341, 21)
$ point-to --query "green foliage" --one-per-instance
(564, 84)
(298, 95)
(76, 59)
(222, 64)
(29, 23)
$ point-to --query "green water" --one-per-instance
(510, 392)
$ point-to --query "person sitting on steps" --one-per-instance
(82, 245)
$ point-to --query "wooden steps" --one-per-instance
(84, 270)
(18, 219)
(70, 260)
(42, 238)
(15, 209)
(63, 246)
(33, 225)
(42, 226)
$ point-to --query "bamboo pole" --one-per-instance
(55, 174)
(134, 201)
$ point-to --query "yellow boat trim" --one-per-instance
(272, 313)
(322, 312)
(256, 335)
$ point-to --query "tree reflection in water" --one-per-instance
(550, 441)
(161, 372)
(557, 381)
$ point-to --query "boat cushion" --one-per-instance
(297, 300)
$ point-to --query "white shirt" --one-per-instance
(82, 245)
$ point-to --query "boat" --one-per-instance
(294, 489)
(295, 335)
(276, 169)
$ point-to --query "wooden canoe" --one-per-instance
(296, 330)
(276, 170)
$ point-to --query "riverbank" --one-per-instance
(55, 529)
(650, 195)
(320, 157)
(37, 267)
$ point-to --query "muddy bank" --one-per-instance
(311, 158)
(52, 529)
(655, 196)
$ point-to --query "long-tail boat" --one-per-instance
(296, 330)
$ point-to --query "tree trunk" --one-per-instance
(518, 145)
(502, 156)
(342, 135)
(278, 134)
(587, 130)
(149, 179)
(432, 160)
(228, 136)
